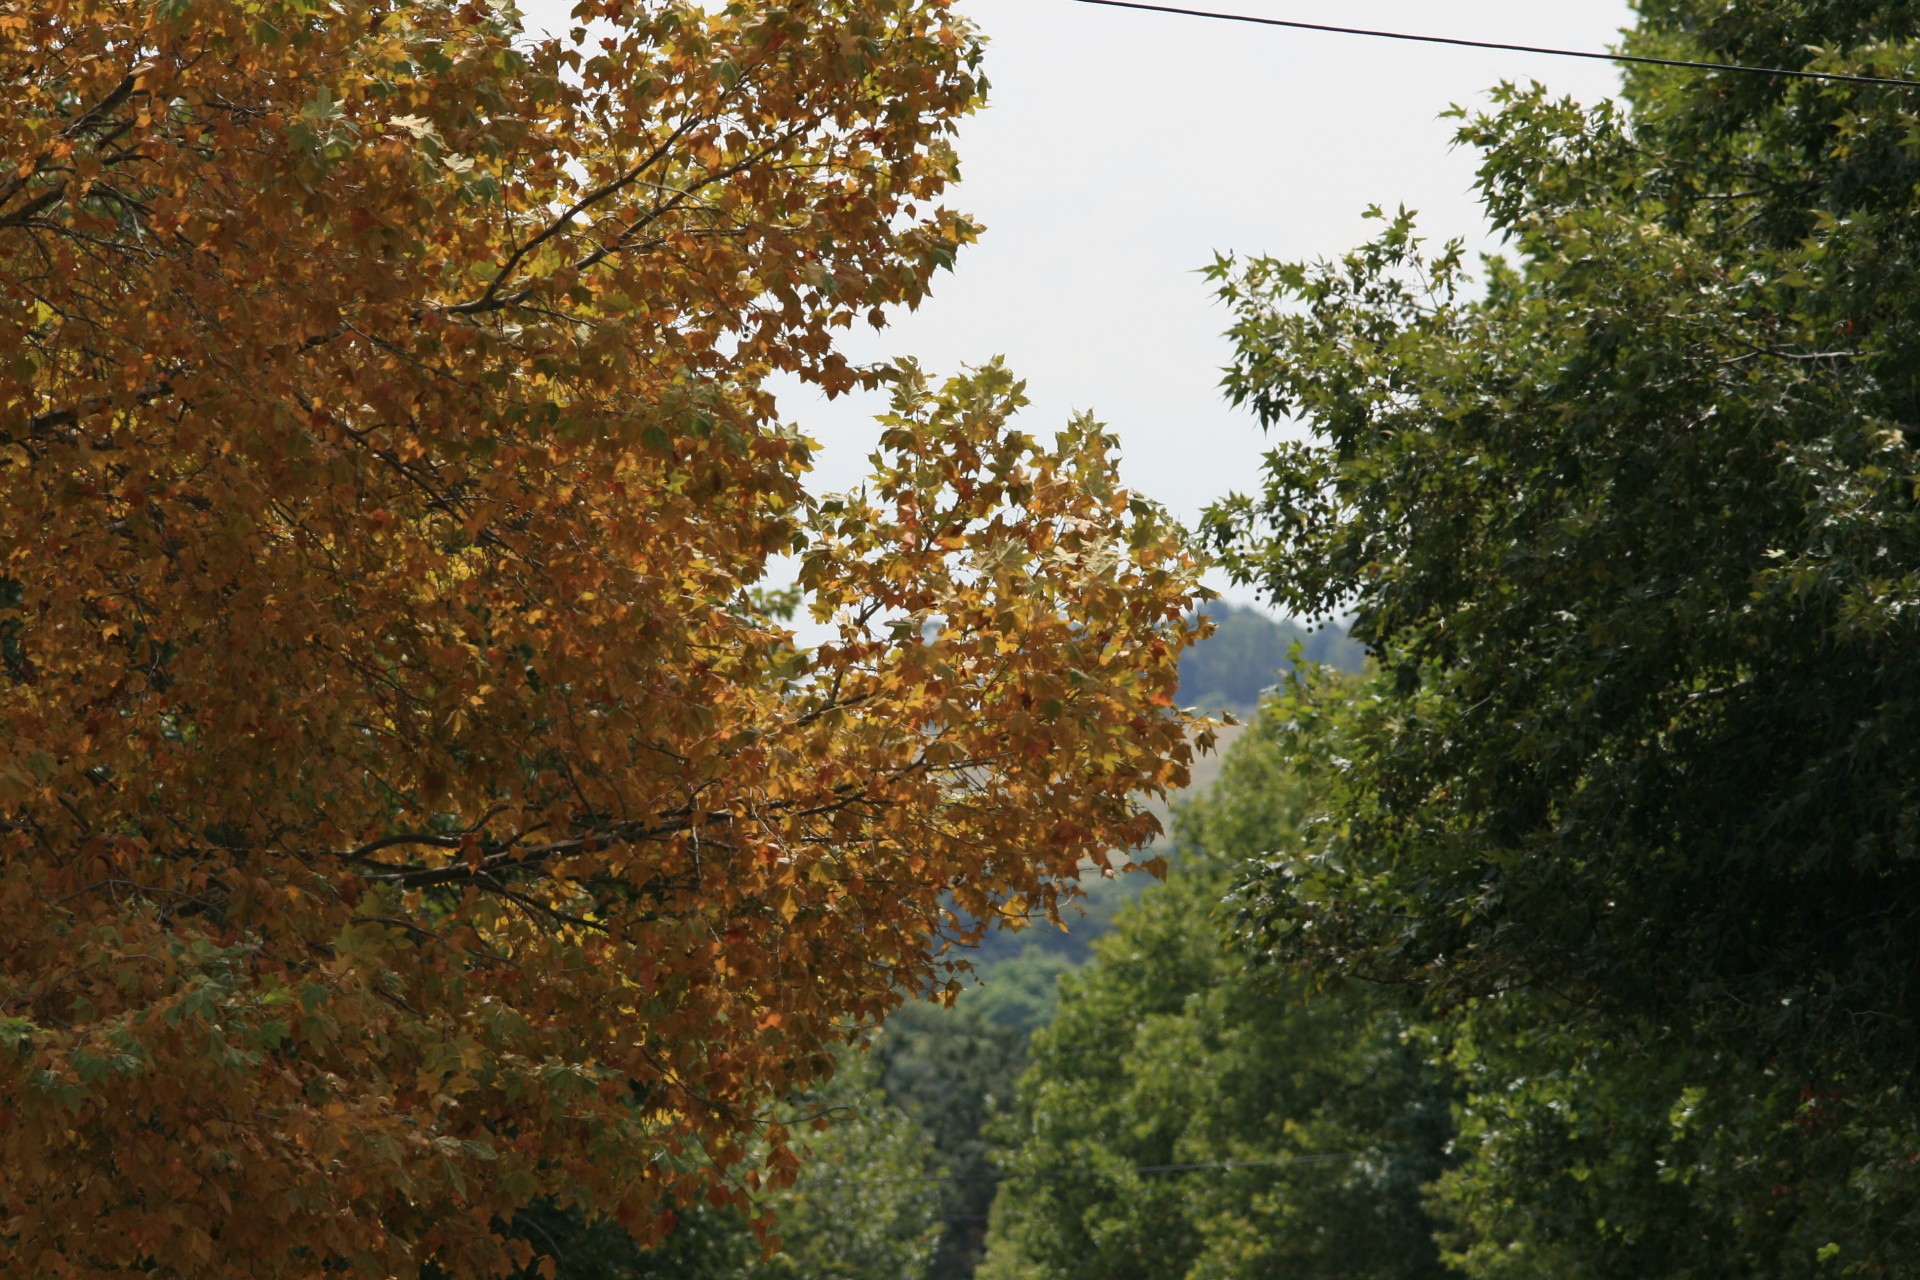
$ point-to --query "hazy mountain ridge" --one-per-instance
(1249, 652)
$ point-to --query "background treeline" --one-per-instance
(1248, 652)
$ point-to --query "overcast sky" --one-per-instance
(1120, 150)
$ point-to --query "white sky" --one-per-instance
(1119, 150)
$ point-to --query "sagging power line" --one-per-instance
(1460, 42)
(1090, 1172)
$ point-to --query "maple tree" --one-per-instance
(407, 809)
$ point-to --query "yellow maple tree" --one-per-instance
(407, 809)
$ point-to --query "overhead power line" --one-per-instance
(1091, 1172)
(1778, 72)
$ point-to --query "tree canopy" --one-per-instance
(407, 810)
(1632, 524)
(1311, 1118)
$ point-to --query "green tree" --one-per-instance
(1634, 533)
(1316, 1115)
(864, 1206)
(953, 1070)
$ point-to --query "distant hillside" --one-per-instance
(1247, 653)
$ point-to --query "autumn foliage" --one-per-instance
(407, 810)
